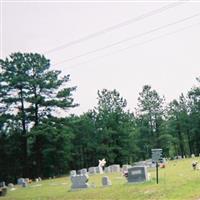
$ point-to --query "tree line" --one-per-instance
(35, 141)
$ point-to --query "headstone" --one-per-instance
(2, 184)
(192, 156)
(115, 168)
(39, 179)
(107, 169)
(140, 163)
(20, 181)
(92, 170)
(24, 184)
(106, 181)
(137, 174)
(79, 181)
(179, 157)
(83, 171)
(10, 185)
(27, 180)
(73, 173)
(97, 169)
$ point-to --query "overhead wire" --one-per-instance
(134, 45)
(129, 38)
(117, 26)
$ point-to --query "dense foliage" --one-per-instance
(37, 138)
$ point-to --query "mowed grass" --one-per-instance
(177, 181)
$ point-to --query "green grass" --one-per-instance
(176, 181)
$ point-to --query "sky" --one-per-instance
(120, 45)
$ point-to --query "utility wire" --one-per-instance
(129, 38)
(134, 45)
(117, 26)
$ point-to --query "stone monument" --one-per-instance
(137, 174)
(79, 181)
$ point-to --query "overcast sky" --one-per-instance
(162, 50)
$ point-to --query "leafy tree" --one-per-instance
(194, 113)
(114, 127)
(150, 115)
(178, 125)
(31, 93)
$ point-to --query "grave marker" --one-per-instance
(106, 181)
(137, 174)
(79, 181)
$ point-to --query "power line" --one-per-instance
(117, 26)
(135, 45)
(129, 38)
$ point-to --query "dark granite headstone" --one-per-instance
(137, 174)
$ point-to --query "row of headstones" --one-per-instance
(135, 175)
(81, 181)
(24, 181)
(97, 170)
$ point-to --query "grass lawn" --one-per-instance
(177, 181)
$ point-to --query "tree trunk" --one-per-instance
(24, 137)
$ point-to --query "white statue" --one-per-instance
(101, 165)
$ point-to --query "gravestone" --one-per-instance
(2, 184)
(79, 181)
(106, 181)
(97, 169)
(73, 173)
(115, 168)
(27, 180)
(24, 184)
(107, 169)
(179, 157)
(10, 185)
(137, 174)
(92, 170)
(20, 181)
(83, 171)
(192, 156)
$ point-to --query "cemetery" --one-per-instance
(178, 180)
(81, 113)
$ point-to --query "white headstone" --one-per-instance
(107, 169)
(83, 171)
(20, 181)
(92, 170)
(115, 168)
